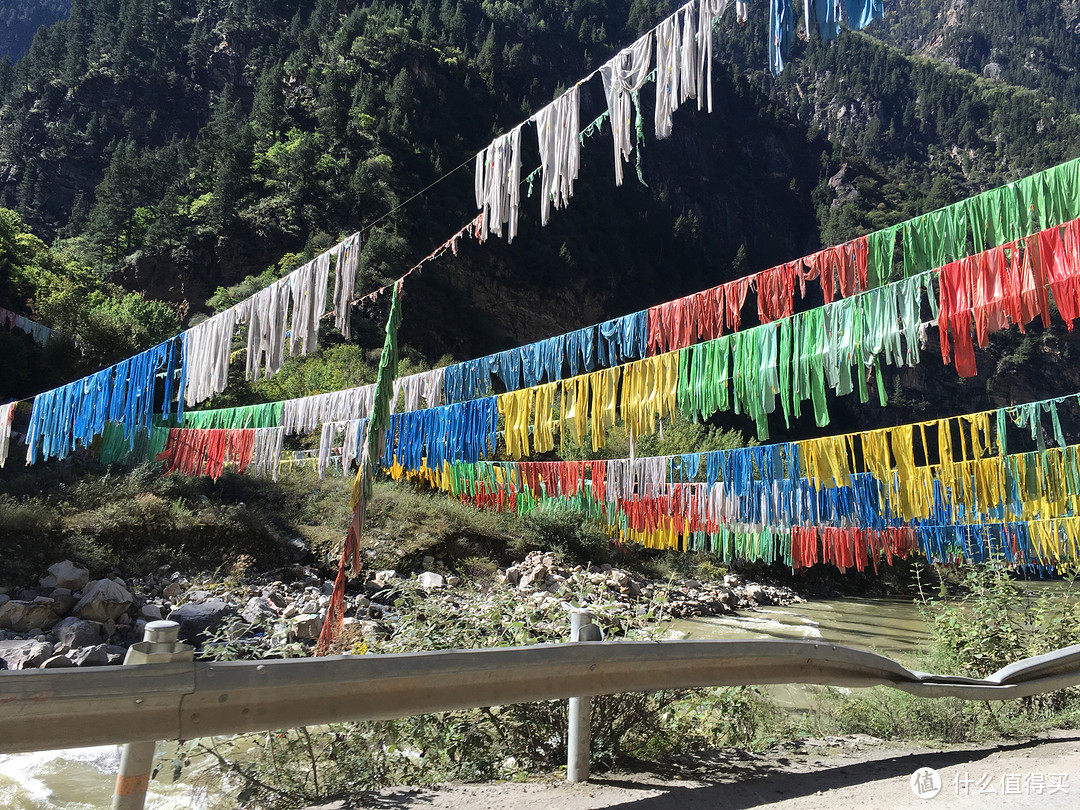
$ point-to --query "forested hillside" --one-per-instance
(174, 147)
(1029, 43)
(20, 19)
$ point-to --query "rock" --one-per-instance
(66, 575)
(96, 656)
(150, 612)
(383, 577)
(429, 580)
(258, 609)
(369, 629)
(57, 662)
(755, 592)
(298, 550)
(25, 654)
(4, 598)
(196, 618)
(526, 580)
(453, 581)
(513, 575)
(103, 599)
(290, 611)
(275, 598)
(692, 584)
(74, 632)
(21, 616)
(307, 626)
(197, 596)
(170, 591)
(64, 600)
(429, 562)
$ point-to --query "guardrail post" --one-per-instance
(579, 730)
(160, 645)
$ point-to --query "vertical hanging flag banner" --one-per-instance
(361, 490)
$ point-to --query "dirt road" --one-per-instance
(847, 774)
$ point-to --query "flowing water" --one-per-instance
(892, 627)
(80, 779)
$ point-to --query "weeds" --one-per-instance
(498, 742)
(995, 623)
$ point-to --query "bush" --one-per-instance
(568, 532)
(994, 623)
(299, 766)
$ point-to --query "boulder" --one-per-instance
(25, 653)
(96, 656)
(103, 599)
(22, 617)
(57, 662)
(275, 598)
(366, 628)
(63, 599)
(197, 618)
(258, 609)
(150, 612)
(429, 580)
(755, 592)
(75, 632)
(307, 626)
(66, 575)
(297, 549)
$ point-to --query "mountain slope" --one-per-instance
(20, 20)
(180, 146)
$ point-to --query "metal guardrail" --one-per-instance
(199, 699)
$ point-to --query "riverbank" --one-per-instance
(71, 620)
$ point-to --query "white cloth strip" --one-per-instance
(498, 184)
(266, 457)
(266, 319)
(308, 285)
(624, 75)
(345, 270)
(206, 356)
(557, 127)
(7, 412)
